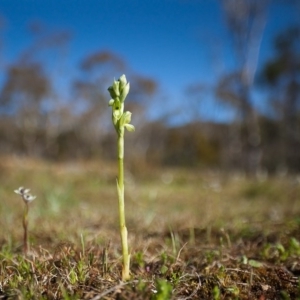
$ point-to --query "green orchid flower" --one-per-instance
(121, 120)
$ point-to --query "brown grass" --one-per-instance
(192, 234)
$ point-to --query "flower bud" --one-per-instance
(123, 82)
(124, 92)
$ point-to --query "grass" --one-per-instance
(193, 235)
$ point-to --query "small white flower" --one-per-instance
(21, 191)
(28, 197)
(24, 193)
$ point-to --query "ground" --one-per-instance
(193, 233)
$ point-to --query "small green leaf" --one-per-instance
(254, 263)
(164, 290)
(280, 248)
(163, 269)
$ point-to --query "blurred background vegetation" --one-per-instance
(37, 121)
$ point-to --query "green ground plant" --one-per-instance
(163, 290)
(121, 120)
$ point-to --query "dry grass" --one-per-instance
(193, 234)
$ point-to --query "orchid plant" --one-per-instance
(27, 198)
(121, 120)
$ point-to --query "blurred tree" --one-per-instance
(197, 93)
(281, 75)
(188, 146)
(245, 21)
(25, 87)
(28, 91)
(38, 116)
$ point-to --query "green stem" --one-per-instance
(25, 227)
(120, 186)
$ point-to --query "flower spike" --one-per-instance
(121, 120)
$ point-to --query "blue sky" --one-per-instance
(177, 42)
